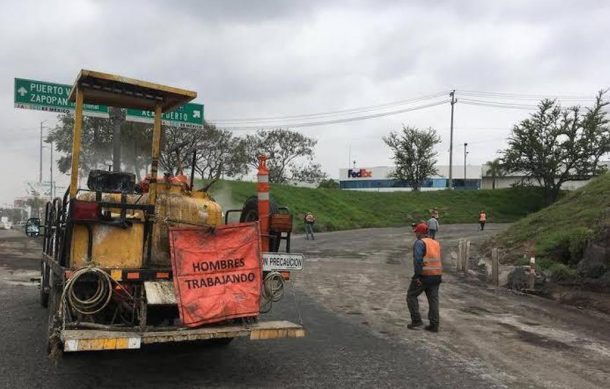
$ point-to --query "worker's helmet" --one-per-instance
(421, 228)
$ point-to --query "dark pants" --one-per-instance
(432, 234)
(482, 225)
(431, 289)
(309, 230)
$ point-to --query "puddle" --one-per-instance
(536, 339)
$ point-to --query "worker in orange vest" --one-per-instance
(309, 220)
(427, 278)
(482, 219)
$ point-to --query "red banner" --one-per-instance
(217, 275)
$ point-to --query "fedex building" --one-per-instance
(379, 178)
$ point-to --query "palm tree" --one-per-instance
(495, 170)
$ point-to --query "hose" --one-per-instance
(98, 301)
(273, 291)
(274, 286)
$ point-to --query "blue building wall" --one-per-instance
(390, 183)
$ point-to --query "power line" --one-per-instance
(336, 121)
(362, 109)
(522, 96)
(497, 104)
(471, 97)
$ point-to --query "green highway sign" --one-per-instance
(189, 115)
(52, 97)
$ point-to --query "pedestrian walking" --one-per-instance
(309, 221)
(432, 224)
(482, 219)
(427, 278)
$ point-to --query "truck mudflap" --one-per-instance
(92, 340)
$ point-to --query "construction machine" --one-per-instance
(125, 265)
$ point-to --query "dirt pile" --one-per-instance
(570, 239)
(595, 264)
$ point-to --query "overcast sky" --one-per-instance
(279, 58)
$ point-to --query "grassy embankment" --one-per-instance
(559, 233)
(341, 210)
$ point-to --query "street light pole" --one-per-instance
(465, 154)
(453, 101)
(51, 171)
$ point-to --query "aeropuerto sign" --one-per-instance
(52, 97)
(189, 115)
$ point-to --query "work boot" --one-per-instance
(415, 325)
(431, 328)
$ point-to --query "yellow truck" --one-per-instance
(107, 275)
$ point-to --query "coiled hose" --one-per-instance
(100, 298)
(273, 291)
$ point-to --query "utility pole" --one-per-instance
(465, 154)
(40, 168)
(453, 101)
(51, 172)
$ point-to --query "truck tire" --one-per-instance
(249, 213)
(44, 284)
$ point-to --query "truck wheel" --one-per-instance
(44, 284)
(249, 213)
(54, 347)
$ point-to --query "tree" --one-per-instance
(495, 169)
(310, 173)
(177, 145)
(36, 203)
(414, 154)
(328, 184)
(220, 154)
(97, 134)
(558, 144)
(290, 155)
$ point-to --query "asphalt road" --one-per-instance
(335, 353)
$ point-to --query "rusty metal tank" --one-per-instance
(176, 207)
(125, 248)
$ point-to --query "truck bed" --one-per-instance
(91, 340)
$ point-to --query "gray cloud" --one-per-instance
(266, 58)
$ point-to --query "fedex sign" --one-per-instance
(361, 173)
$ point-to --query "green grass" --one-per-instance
(559, 233)
(341, 210)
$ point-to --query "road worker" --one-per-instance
(428, 269)
(482, 219)
(309, 221)
(432, 226)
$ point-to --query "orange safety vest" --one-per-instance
(432, 260)
(482, 217)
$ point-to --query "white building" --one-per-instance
(378, 178)
(508, 180)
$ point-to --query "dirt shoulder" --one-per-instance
(517, 340)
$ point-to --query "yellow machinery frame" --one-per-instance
(93, 87)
